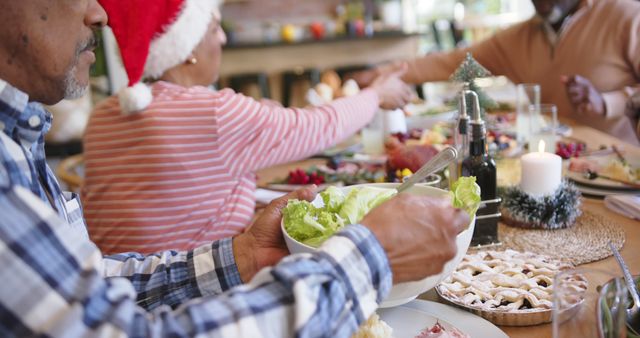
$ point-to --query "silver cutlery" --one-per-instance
(437, 163)
(633, 314)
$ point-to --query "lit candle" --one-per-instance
(541, 172)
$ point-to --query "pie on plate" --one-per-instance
(506, 287)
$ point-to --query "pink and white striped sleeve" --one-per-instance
(254, 136)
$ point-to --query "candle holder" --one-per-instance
(556, 211)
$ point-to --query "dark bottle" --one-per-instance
(482, 166)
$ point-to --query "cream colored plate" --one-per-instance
(601, 182)
(409, 319)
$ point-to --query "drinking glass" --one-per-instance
(372, 136)
(527, 94)
(543, 125)
(597, 311)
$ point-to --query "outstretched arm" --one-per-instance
(256, 135)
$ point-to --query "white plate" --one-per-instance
(598, 182)
(365, 159)
(350, 145)
(428, 121)
(409, 319)
(603, 192)
(601, 182)
(265, 196)
(291, 187)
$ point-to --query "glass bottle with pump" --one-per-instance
(460, 136)
(479, 164)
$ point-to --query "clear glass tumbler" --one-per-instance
(527, 94)
(543, 125)
(597, 310)
(372, 136)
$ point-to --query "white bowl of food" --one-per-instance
(403, 292)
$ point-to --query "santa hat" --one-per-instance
(154, 36)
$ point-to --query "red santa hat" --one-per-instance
(154, 36)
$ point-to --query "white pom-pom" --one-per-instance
(134, 99)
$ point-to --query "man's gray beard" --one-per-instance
(73, 89)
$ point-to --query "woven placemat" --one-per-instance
(585, 242)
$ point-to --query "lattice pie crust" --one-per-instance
(508, 281)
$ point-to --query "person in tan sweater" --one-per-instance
(584, 54)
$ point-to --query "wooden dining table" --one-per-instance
(630, 251)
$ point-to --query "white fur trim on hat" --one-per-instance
(181, 38)
(134, 99)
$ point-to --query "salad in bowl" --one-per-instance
(306, 225)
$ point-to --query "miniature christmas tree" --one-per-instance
(468, 71)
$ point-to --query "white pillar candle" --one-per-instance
(541, 172)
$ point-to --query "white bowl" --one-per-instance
(404, 292)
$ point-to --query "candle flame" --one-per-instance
(541, 146)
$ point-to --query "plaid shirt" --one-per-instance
(56, 283)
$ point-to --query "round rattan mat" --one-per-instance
(585, 242)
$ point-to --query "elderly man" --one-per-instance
(56, 283)
(584, 54)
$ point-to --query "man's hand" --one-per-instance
(262, 244)
(418, 233)
(392, 91)
(366, 77)
(583, 95)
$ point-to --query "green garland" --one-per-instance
(557, 211)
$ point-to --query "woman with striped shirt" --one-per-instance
(171, 165)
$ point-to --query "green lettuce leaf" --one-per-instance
(360, 201)
(465, 194)
(299, 222)
(312, 226)
(379, 196)
(333, 199)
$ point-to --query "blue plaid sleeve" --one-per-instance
(172, 277)
(54, 286)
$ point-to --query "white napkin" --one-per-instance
(626, 205)
(265, 196)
